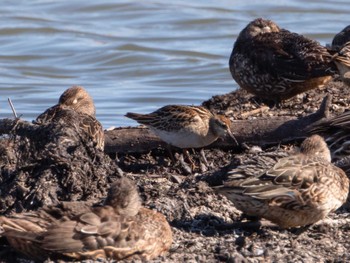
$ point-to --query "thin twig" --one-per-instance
(12, 108)
(256, 111)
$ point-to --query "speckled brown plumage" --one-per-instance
(342, 60)
(276, 64)
(341, 47)
(76, 99)
(298, 190)
(76, 230)
(185, 126)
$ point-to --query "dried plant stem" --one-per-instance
(12, 108)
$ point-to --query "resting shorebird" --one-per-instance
(185, 126)
(120, 229)
(276, 64)
(76, 99)
(341, 38)
(341, 45)
(298, 190)
(342, 56)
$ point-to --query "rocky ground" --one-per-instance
(206, 226)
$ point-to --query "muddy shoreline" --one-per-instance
(206, 227)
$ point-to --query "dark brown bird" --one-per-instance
(341, 45)
(276, 64)
(298, 190)
(76, 99)
(341, 38)
(120, 229)
(342, 58)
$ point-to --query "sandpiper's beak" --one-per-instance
(229, 132)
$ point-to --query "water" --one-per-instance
(136, 55)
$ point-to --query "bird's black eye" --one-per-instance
(221, 124)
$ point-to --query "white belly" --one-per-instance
(185, 139)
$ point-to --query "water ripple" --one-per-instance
(136, 56)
